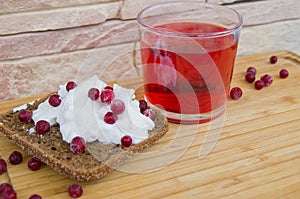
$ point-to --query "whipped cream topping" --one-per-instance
(78, 115)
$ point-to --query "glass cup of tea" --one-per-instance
(188, 51)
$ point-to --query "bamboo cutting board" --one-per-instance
(251, 152)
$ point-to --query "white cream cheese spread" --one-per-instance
(78, 115)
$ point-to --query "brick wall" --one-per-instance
(44, 43)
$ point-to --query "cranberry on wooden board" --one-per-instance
(34, 164)
(75, 190)
(5, 186)
(283, 73)
(250, 77)
(236, 93)
(259, 84)
(3, 166)
(35, 196)
(15, 157)
(273, 59)
(267, 79)
(251, 69)
(9, 194)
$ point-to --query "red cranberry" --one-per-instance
(77, 145)
(107, 95)
(3, 166)
(42, 127)
(273, 59)
(34, 164)
(5, 186)
(150, 113)
(267, 79)
(109, 87)
(143, 105)
(35, 196)
(9, 194)
(70, 85)
(54, 100)
(25, 116)
(259, 84)
(75, 190)
(283, 73)
(15, 157)
(251, 69)
(250, 77)
(117, 106)
(94, 93)
(236, 93)
(110, 118)
(126, 141)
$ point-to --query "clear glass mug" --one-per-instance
(188, 51)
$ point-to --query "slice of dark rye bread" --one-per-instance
(55, 152)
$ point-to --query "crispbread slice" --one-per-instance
(55, 152)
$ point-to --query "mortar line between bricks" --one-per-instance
(130, 19)
(242, 1)
(56, 8)
(118, 15)
(65, 28)
(16, 59)
(271, 22)
(6, 61)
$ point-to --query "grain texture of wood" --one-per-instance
(255, 154)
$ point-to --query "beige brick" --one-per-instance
(262, 12)
(36, 75)
(50, 42)
(57, 18)
(283, 35)
(131, 8)
(12, 6)
(254, 12)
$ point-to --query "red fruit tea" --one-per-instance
(190, 75)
